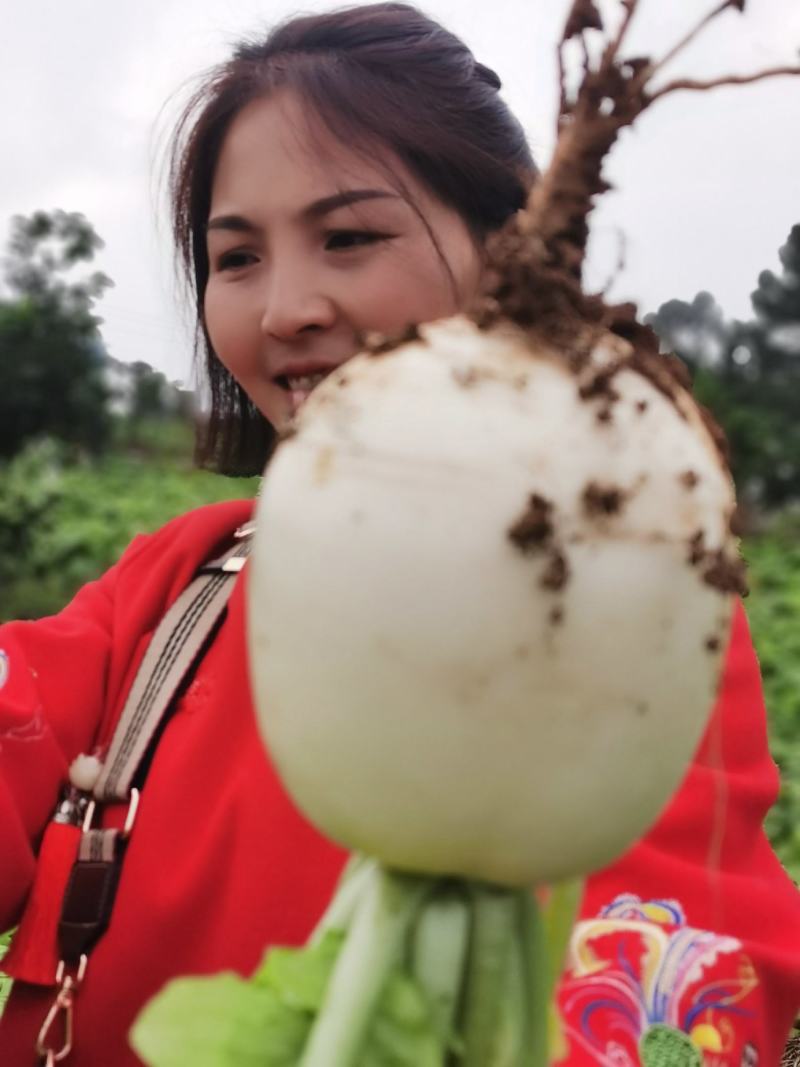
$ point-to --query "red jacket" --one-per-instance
(221, 864)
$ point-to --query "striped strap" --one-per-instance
(173, 649)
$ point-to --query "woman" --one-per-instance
(340, 177)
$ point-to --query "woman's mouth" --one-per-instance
(305, 382)
(299, 386)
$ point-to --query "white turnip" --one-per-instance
(483, 641)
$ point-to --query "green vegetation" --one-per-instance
(52, 374)
(224, 1020)
(5, 982)
(774, 611)
(62, 524)
(748, 375)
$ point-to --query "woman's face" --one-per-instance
(309, 246)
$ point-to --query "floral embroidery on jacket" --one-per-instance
(643, 988)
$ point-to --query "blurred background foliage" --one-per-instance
(93, 451)
(748, 375)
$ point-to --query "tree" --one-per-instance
(769, 355)
(748, 374)
(776, 301)
(52, 376)
(697, 331)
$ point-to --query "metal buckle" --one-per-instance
(62, 1007)
(130, 816)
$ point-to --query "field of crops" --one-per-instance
(774, 610)
(61, 526)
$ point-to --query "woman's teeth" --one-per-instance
(306, 382)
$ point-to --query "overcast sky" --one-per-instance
(709, 185)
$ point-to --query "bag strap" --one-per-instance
(173, 649)
(91, 885)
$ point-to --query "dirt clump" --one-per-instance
(533, 530)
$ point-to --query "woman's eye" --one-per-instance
(342, 240)
(234, 260)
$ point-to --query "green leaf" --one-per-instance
(227, 1021)
(299, 976)
(402, 1032)
(222, 1021)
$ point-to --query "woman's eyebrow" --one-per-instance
(237, 223)
(316, 210)
(344, 199)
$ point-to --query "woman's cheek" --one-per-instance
(395, 295)
(418, 286)
(226, 324)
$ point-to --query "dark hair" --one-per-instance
(382, 73)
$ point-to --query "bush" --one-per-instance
(774, 610)
(62, 524)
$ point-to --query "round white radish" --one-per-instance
(486, 609)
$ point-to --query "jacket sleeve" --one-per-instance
(53, 678)
(688, 948)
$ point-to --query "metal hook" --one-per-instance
(62, 1003)
(61, 1008)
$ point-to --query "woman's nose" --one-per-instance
(292, 305)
